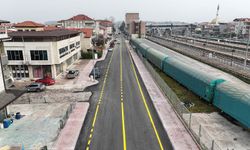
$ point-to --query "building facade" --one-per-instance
(4, 77)
(130, 18)
(134, 26)
(242, 27)
(29, 26)
(45, 53)
(78, 21)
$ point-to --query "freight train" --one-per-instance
(228, 93)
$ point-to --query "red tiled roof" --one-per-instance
(86, 31)
(28, 24)
(106, 23)
(80, 17)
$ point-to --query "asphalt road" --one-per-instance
(121, 114)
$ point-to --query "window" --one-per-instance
(78, 44)
(15, 55)
(39, 55)
(62, 50)
(72, 45)
(20, 71)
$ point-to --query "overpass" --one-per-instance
(168, 29)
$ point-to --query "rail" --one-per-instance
(225, 63)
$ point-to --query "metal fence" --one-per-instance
(198, 131)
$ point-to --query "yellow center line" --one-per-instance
(98, 104)
(122, 106)
(146, 105)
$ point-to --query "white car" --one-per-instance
(110, 49)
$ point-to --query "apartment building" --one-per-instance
(129, 19)
(134, 25)
(78, 21)
(242, 27)
(3, 36)
(106, 25)
(29, 26)
(36, 54)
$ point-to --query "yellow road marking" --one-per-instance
(122, 106)
(98, 104)
(146, 105)
(123, 128)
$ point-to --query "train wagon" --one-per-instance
(234, 100)
(200, 83)
(224, 91)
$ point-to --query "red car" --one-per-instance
(46, 81)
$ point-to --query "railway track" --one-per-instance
(239, 50)
(226, 62)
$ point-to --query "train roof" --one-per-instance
(196, 65)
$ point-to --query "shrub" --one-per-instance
(89, 54)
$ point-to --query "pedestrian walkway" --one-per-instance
(70, 133)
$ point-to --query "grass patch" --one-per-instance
(200, 105)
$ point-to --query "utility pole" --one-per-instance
(245, 62)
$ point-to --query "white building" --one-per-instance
(3, 36)
(36, 54)
(242, 27)
(1, 80)
(78, 21)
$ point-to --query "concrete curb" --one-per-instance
(178, 135)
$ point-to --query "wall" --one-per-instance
(51, 47)
(1, 81)
(52, 52)
(29, 29)
(86, 44)
(78, 24)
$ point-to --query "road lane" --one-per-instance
(122, 119)
(142, 122)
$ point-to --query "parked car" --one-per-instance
(71, 74)
(46, 81)
(110, 49)
(35, 87)
(95, 73)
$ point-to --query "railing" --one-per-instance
(198, 131)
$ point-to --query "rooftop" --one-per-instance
(80, 17)
(48, 33)
(242, 19)
(87, 31)
(4, 21)
(105, 23)
(28, 24)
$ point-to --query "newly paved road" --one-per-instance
(121, 114)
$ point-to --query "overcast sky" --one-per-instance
(150, 10)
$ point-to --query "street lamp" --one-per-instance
(245, 62)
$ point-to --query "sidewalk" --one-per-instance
(178, 135)
(69, 134)
(83, 80)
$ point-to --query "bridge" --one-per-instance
(168, 29)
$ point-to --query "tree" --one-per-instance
(122, 26)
